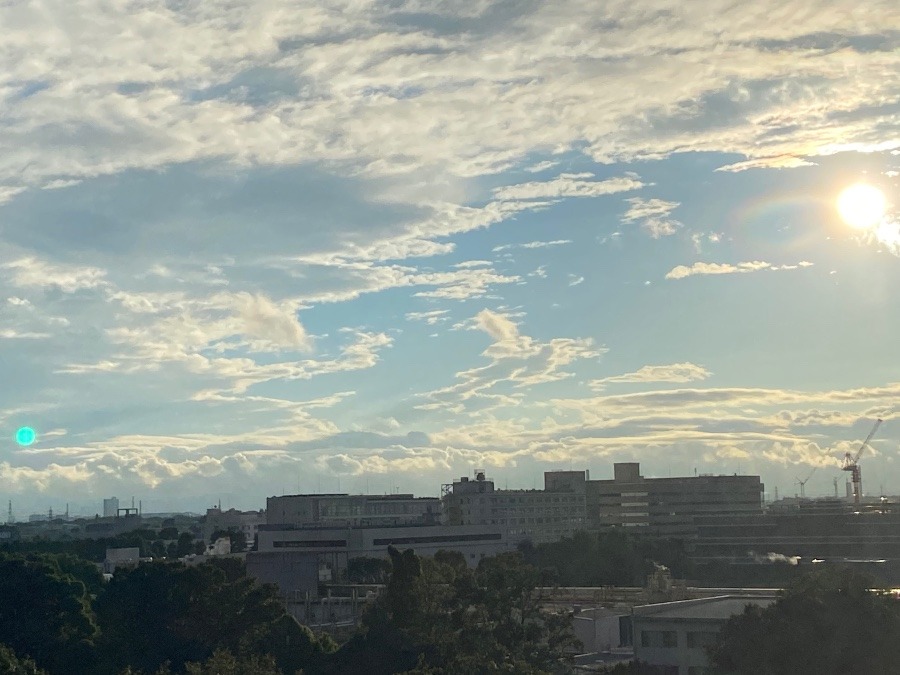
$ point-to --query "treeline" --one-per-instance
(609, 558)
(436, 616)
(617, 558)
(165, 543)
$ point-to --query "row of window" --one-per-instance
(668, 639)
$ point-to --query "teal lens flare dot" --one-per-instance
(25, 436)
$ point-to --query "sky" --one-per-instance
(256, 248)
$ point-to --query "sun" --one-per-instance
(861, 206)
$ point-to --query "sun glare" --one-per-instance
(861, 206)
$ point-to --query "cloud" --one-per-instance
(702, 268)
(532, 245)
(30, 272)
(654, 216)
(777, 162)
(674, 372)
(575, 280)
(568, 185)
(265, 321)
(431, 318)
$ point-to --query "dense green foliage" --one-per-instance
(365, 570)
(46, 614)
(153, 616)
(165, 543)
(611, 558)
(827, 623)
(436, 616)
(10, 664)
(439, 617)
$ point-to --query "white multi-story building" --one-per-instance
(537, 515)
(111, 507)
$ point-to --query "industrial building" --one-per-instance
(344, 510)
(538, 515)
(672, 636)
(285, 555)
(668, 506)
(111, 507)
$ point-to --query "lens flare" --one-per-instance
(25, 436)
(862, 206)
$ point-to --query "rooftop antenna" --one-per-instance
(67, 510)
(9, 515)
(50, 513)
(835, 487)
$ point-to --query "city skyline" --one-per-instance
(268, 247)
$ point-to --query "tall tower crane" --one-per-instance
(802, 483)
(851, 464)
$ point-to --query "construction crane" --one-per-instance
(802, 483)
(851, 464)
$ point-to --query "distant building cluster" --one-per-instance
(310, 538)
(570, 501)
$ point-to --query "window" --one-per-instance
(657, 639)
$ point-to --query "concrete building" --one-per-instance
(673, 636)
(286, 556)
(345, 510)
(601, 630)
(538, 515)
(111, 507)
(668, 506)
(246, 522)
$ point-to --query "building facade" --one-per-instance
(344, 510)
(246, 522)
(673, 636)
(570, 502)
(668, 506)
(286, 555)
(540, 516)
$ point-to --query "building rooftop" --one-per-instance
(716, 608)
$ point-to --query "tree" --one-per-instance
(167, 612)
(237, 537)
(10, 664)
(223, 662)
(830, 622)
(438, 617)
(365, 570)
(45, 614)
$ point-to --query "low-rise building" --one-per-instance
(345, 510)
(673, 636)
(285, 555)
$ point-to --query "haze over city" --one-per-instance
(256, 248)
